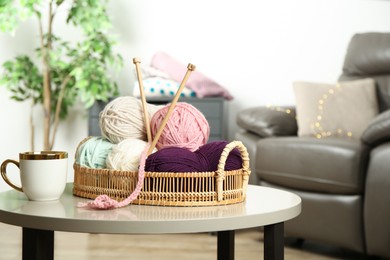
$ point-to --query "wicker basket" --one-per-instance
(219, 187)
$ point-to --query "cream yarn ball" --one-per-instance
(122, 118)
(125, 156)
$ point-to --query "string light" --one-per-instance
(319, 131)
(280, 109)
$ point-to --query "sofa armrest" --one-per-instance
(377, 202)
(268, 121)
(378, 131)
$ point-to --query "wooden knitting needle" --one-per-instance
(137, 61)
(190, 68)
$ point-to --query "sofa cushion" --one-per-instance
(368, 54)
(326, 110)
(332, 165)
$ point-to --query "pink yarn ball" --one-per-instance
(186, 128)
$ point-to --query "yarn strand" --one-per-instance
(105, 202)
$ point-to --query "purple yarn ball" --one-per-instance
(205, 159)
(210, 153)
(172, 159)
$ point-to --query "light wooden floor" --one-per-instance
(75, 246)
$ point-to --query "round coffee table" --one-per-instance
(264, 206)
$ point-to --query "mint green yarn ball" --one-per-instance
(93, 153)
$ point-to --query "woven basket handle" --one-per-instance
(222, 162)
(76, 154)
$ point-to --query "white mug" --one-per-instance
(42, 174)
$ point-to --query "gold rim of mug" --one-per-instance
(43, 155)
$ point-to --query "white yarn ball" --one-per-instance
(125, 156)
(123, 118)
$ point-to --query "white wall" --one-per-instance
(253, 48)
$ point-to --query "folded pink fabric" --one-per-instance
(199, 83)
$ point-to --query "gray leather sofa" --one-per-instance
(344, 183)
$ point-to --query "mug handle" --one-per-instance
(4, 174)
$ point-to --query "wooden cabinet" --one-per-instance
(214, 109)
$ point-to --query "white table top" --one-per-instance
(263, 206)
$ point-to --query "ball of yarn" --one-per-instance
(186, 127)
(126, 155)
(93, 152)
(123, 118)
(173, 159)
(209, 154)
(205, 159)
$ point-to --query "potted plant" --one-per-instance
(62, 72)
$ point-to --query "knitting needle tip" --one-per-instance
(136, 60)
(191, 67)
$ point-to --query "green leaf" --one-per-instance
(82, 83)
(21, 77)
(87, 66)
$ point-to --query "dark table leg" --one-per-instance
(38, 244)
(274, 241)
(225, 245)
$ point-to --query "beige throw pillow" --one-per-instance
(344, 109)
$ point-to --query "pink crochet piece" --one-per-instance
(105, 202)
